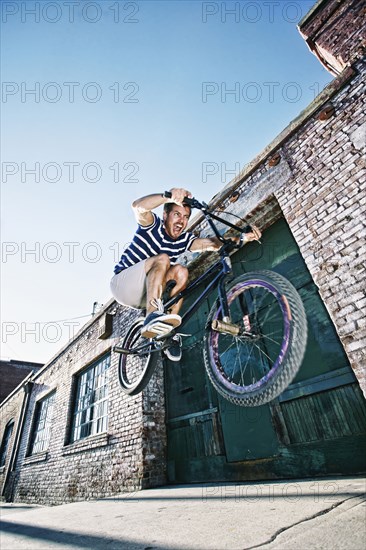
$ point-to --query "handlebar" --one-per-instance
(189, 201)
(194, 203)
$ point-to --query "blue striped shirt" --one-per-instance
(153, 240)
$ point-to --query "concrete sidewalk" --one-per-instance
(318, 514)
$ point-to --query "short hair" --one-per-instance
(168, 207)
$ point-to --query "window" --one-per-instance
(42, 425)
(90, 415)
(5, 442)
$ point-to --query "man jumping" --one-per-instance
(150, 260)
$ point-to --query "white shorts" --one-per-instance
(129, 286)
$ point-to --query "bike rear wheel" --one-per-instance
(258, 359)
(136, 367)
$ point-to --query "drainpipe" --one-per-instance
(27, 388)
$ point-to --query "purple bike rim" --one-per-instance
(213, 347)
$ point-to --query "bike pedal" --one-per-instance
(158, 330)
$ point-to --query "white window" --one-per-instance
(5, 442)
(90, 414)
(42, 425)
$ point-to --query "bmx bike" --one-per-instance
(255, 334)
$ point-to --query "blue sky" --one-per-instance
(129, 98)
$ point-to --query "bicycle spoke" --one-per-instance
(278, 342)
(253, 367)
(233, 371)
(246, 364)
(262, 352)
(258, 305)
(228, 355)
(269, 309)
(248, 361)
(247, 358)
(237, 369)
(238, 355)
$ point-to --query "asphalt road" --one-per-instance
(298, 515)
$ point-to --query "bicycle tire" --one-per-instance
(263, 363)
(136, 370)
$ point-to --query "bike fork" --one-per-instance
(225, 325)
(223, 301)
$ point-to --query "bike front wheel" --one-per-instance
(137, 365)
(254, 357)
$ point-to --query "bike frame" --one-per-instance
(263, 340)
(222, 266)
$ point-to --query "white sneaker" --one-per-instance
(157, 324)
(174, 351)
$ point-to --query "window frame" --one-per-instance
(44, 442)
(89, 411)
(5, 441)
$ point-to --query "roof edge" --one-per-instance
(325, 95)
(72, 340)
(312, 11)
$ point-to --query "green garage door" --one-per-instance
(316, 427)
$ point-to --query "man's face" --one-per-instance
(176, 221)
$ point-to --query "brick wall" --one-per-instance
(325, 208)
(10, 411)
(130, 456)
(334, 32)
(319, 187)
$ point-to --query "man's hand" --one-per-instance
(178, 195)
(244, 238)
(254, 235)
(213, 244)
